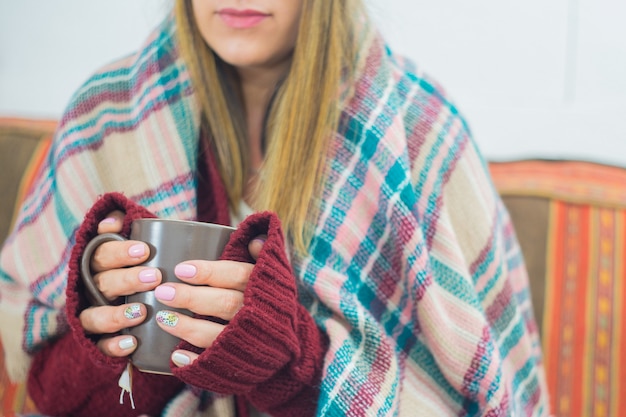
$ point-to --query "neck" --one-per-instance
(257, 87)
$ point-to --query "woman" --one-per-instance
(380, 274)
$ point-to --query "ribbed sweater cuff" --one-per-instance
(271, 352)
(272, 344)
(76, 290)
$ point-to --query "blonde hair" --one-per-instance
(303, 116)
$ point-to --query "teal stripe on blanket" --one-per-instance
(173, 94)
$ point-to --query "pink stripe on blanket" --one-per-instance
(176, 162)
(111, 96)
(477, 381)
(452, 345)
(500, 303)
(363, 89)
(137, 115)
(424, 125)
(34, 204)
(438, 307)
(35, 321)
(373, 384)
(448, 145)
(445, 247)
(434, 178)
(160, 199)
(518, 356)
(360, 215)
(492, 258)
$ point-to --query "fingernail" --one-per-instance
(180, 359)
(261, 240)
(185, 270)
(165, 292)
(108, 220)
(147, 275)
(137, 250)
(167, 318)
(133, 311)
(126, 343)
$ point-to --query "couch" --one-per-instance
(24, 144)
(570, 217)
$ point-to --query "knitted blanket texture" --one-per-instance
(414, 271)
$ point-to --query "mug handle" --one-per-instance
(85, 269)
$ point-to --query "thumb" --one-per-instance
(256, 245)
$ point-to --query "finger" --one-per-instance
(117, 254)
(183, 357)
(117, 346)
(223, 274)
(126, 281)
(207, 301)
(255, 246)
(198, 332)
(111, 319)
(112, 223)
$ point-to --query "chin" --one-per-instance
(241, 56)
(243, 62)
(249, 61)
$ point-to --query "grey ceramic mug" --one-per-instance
(170, 242)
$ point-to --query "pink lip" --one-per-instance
(241, 19)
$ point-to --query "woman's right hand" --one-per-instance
(115, 275)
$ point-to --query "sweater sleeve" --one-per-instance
(65, 380)
(272, 351)
(71, 376)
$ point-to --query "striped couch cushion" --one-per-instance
(571, 221)
(24, 144)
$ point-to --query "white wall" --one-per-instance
(49, 48)
(533, 78)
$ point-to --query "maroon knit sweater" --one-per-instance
(269, 355)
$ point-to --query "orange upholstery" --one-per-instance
(571, 221)
(24, 145)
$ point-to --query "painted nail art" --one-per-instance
(133, 311)
(167, 318)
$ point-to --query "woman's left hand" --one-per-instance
(210, 288)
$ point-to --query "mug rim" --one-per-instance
(182, 221)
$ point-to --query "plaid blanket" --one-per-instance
(414, 271)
